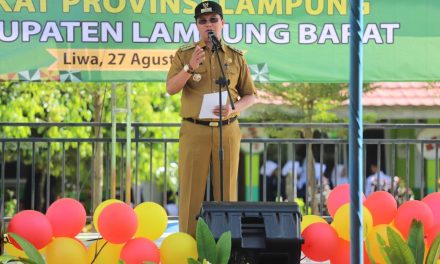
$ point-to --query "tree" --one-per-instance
(82, 102)
(313, 103)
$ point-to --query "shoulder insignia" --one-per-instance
(187, 46)
(235, 49)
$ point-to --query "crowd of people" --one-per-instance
(270, 173)
(270, 170)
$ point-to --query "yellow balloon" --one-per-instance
(373, 242)
(177, 248)
(99, 209)
(152, 220)
(341, 221)
(108, 255)
(43, 250)
(426, 252)
(13, 251)
(66, 250)
(311, 219)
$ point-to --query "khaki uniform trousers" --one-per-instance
(198, 144)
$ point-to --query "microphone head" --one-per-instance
(211, 34)
(213, 38)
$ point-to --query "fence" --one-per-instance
(36, 170)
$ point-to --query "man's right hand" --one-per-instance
(197, 57)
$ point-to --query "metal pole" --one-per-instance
(128, 146)
(113, 165)
(355, 132)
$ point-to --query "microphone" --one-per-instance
(213, 38)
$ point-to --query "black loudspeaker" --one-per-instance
(262, 232)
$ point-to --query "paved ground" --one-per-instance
(308, 261)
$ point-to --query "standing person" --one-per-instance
(194, 71)
(377, 181)
(269, 172)
(171, 206)
(339, 175)
(291, 171)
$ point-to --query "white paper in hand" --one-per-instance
(211, 101)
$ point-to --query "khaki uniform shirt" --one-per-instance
(236, 71)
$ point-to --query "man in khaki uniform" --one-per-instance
(194, 71)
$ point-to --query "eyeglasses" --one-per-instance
(212, 20)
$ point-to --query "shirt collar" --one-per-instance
(202, 44)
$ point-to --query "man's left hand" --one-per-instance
(226, 111)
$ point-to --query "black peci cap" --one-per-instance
(208, 7)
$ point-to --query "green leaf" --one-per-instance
(26, 261)
(7, 258)
(399, 251)
(28, 248)
(121, 261)
(434, 251)
(416, 241)
(193, 261)
(205, 242)
(223, 248)
(370, 251)
(383, 248)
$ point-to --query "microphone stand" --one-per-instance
(221, 82)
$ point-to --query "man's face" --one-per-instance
(209, 22)
(373, 168)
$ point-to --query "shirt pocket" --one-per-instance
(199, 77)
(232, 73)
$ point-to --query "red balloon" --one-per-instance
(433, 201)
(338, 196)
(413, 210)
(382, 206)
(117, 223)
(140, 250)
(342, 253)
(67, 217)
(32, 226)
(320, 241)
(432, 234)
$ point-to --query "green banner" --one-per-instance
(283, 40)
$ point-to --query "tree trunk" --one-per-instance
(311, 186)
(98, 167)
(308, 134)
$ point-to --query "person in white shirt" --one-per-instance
(269, 170)
(377, 181)
(301, 173)
(171, 206)
(339, 175)
(303, 176)
(288, 168)
(291, 170)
